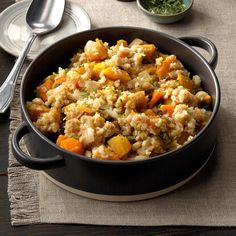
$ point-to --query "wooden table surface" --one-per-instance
(6, 63)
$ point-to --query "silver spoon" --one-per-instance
(42, 17)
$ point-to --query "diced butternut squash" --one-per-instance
(95, 50)
(164, 69)
(98, 67)
(167, 109)
(35, 110)
(185, 81)
(70, 144)
(120, 145)
(149, 50)
(156, 96)
(122, 42)
(114, 73)
(44, 88)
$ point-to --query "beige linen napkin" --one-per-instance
(208, 200)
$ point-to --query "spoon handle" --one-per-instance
(8, 87)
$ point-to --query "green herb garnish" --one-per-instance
(131, 138)
(83, 94)
(73, 136)
(66, 70)
(165, 137)
(156, 84)
(165, 7)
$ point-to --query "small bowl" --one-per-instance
(165, 19)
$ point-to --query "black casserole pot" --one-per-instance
(118, 180)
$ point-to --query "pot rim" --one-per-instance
(169, 154)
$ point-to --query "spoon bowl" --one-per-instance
(42, 16)
(49, 20)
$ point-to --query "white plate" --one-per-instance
(15, 31)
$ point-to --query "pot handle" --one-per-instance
(29, 161)
(203, 43)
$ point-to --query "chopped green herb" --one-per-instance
(66, 70)
(189, 112)
(156, 84)
(73, 136)
(165, 137)
(159, 105)
(122, 115)
(83, 94)
(165, 7)
(131, 138)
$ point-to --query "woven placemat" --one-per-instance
(207, 200)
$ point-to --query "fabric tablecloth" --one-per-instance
(208, 200)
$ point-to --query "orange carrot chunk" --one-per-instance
(70, 144)
(167, 109)
(164, 69)
(156, 96)
(43, 88)
(60, 138)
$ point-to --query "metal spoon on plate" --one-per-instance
(42, 17)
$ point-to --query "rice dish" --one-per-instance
(126, 101)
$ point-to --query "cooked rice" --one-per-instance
(93, 104)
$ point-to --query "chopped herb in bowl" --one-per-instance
(165, 7)
(165, 11)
